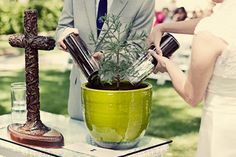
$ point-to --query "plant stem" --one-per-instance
(118, 70)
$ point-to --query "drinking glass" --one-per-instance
(18, 102)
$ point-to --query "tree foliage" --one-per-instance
(12, 14)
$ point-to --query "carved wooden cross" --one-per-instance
(33, 131)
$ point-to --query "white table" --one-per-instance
(77, 141)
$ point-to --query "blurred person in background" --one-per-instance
(162, 16)
(194, 15)
(179, 14)
(200, 13)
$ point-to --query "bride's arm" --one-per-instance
(183, 27)
(205, 50)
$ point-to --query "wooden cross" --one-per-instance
(33, 131)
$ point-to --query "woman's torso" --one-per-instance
(221, 90)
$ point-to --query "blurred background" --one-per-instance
(171, 117)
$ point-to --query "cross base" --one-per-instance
(50, 139)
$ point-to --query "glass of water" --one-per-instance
(18, 102)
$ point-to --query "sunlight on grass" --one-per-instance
(4, 44)
(6, 78)
(172, 118)
(54, 91)
(183, 146)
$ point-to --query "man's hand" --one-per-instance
(98, 56)
(66, 32)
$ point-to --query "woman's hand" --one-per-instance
(161, 62)
(155, 38)
(66, 32)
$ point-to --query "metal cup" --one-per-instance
(145, 64)
(83, 57)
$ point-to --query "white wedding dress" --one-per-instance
(218, 123)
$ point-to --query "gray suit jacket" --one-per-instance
(81, 14)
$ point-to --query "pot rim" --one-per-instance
(149, 86)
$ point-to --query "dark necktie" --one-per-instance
(102, 11)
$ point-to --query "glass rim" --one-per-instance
(18, 85)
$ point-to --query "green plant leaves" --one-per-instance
(119, 52)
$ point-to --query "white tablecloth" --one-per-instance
(76, 141)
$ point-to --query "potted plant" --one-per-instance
(117, 113)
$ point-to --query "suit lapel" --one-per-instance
(90, 7)
(116, 7)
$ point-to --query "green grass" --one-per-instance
(6, 49)
(4, 44)
(53, 89)
(171, 117)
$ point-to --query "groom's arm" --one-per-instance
(66, 19)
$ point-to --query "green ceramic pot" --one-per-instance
(117, 118)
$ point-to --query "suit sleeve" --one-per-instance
(66, 19)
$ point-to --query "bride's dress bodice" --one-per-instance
(221, 91)
(224, 76)
(225, 66)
